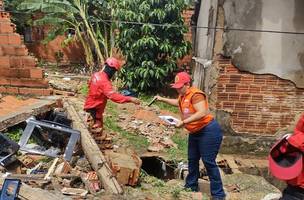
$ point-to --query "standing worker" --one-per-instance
(100, 90)
(205, 135)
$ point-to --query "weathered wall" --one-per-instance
(258, 52)
(73, 53)
(258, 104)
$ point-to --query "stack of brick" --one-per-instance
(185, 62)
(260, 104)
(18, 71)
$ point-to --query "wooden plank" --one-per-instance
(92, 152)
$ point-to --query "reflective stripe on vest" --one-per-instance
(187, 110)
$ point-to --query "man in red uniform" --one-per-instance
(286, 163)
(100, 90)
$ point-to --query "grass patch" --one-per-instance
(84, 89)
(180, 153)
(15, 134)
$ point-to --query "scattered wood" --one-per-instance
(92, 152)
(51, 169)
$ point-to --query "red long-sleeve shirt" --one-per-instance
(101, 89)
(297, 140)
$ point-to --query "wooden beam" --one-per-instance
(93, 153)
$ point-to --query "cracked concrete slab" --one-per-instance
(14, 110)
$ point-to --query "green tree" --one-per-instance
(152, 41)
(80, 16)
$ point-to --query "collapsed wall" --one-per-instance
(19, 73)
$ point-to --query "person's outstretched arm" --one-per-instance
(173, 102)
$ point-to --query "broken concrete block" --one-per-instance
(74, 191)
(125, 166)
(63, 168)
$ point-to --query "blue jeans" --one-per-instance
(205, 144)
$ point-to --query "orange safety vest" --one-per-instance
(187, 109)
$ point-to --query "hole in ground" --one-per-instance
(159, 168)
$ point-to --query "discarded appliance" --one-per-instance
(51, 134)
(10, 189)
(7, 150)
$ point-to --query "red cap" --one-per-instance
(113, 62)
(181, 79)
(284, 166)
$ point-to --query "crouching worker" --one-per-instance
(286, 162)
(100, 90)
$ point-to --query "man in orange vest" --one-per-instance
(205, 135)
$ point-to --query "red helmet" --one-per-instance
(113, 62)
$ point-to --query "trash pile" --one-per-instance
(48, 156)
(146, 122)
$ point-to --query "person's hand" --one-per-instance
(135, 100)
(179, 124)
(158, 98)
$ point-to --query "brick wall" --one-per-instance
(186, 61)
(18, 71)
(259, 104)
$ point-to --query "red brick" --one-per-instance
(245, 97)
(235, 78)
(28, 62)
(234, 97)
(285, 108)
(2, 89)
(3, 39)
(4, 81)
(8, 50)
(6, 28)
(36, 73)
(222, 97)
(251, 107)
(24, 73)
(12, 90)
(257, 98)
(260, 80)
(14, 39)
(247, 79)
(242, 88)
(228, 105)
(223, 79)
(231, 69)
(238, 123)
(23, 82)
(275, 108)
(21, 51)
(249, 124)
(230, 87)
(35, 91)
(16, 62)
(4, 62)
(240, 106)
(243, 115)
(271, 81)
(254, 89)
(220, 88)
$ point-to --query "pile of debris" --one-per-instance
(48, 156)
(147, 123)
